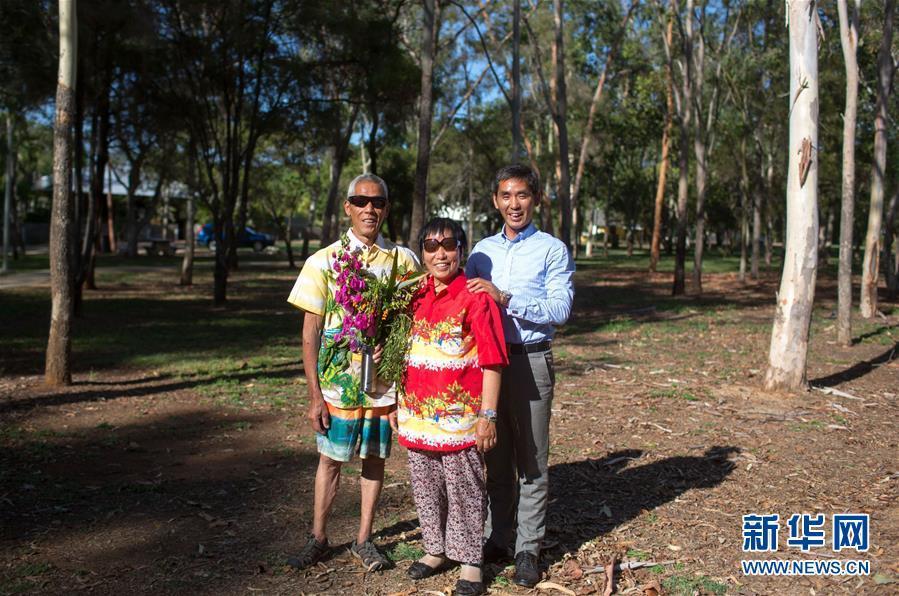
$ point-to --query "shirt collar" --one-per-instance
(454, 287)
(356, 243)
(523, 235)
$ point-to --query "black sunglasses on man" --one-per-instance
(362, 201)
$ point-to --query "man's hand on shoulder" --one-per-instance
(476, 285)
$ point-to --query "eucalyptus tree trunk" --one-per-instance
(187, 263)
(849, 42)
(517, 148)
(663, 160)
(871, 266)
(700, 151)
(889, 257)
(560, 120)
(683, 188)
(744, 210)
(591, 117)
(792, 319)
(8, 191)
(58, 368)
(307, 229)
(756, 234)
(431, 20)
(338, 159)
(767, 212)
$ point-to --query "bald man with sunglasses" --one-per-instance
(346, 419)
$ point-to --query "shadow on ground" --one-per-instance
(194, 499)
(590, 498)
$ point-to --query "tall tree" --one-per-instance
(560, 123)
(517, 149)
(871, 264)
(890, 258)
(8, 189)
(58, 369)
(789, 335)
(655, 247)
(591, 116)
(684, 103)
(430, 30)
(26, 77)
(226, 82)
(849, 43)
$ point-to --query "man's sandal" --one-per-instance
(313, 552)
(371, 557)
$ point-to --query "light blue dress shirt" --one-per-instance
(536, 269)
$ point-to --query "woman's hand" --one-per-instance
(485, 435)
(378, 353)
(391, 418)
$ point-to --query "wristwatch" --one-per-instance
(488, 414)
(506, 297)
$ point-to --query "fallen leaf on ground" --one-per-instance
(572, 569)
(653, 588)
(546, 586)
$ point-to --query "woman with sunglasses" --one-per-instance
(447, 414)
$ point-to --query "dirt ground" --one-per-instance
(134, 482)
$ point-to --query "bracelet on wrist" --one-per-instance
(488, 414)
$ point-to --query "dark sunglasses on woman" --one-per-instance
(449, 244)
(362, 201)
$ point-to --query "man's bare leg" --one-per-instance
(371, 481)
(327, 479)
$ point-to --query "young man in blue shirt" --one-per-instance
(528, 273)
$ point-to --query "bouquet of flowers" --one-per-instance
(375, 311)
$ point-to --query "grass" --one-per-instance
(159, 326)
(638, 555)
(21, 579)
(404, 551)
(713, 261)
(808, 425)
(687, 586)
(675, 393)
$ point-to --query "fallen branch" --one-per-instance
(629, 565)
(837, 392)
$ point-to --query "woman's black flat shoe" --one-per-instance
(419, 570)
(468, 588)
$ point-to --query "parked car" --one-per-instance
(250, 237)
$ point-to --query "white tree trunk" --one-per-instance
(62, 220)
(849, 41)
(685, 109)
(563, 166)
(789, 336)
(871, 264)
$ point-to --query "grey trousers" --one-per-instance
(517, 468)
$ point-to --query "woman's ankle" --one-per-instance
(470, 573)
(433, 560)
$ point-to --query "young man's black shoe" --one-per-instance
(527, 573)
